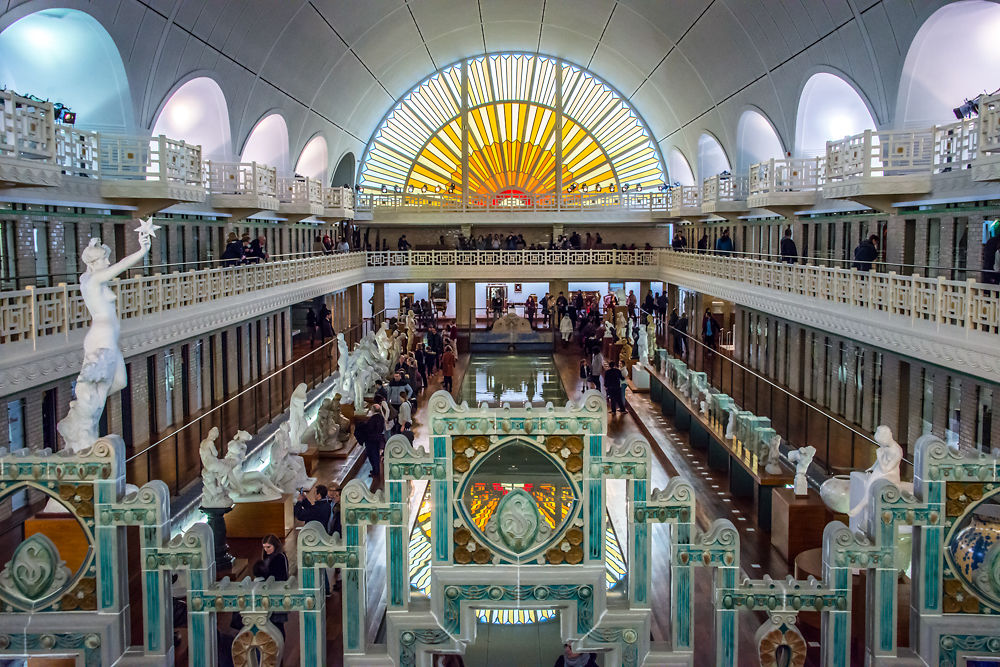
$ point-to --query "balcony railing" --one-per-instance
(988, 124)
(78, 151)
(138, 158)
(34, 313)
(338, 198)
(298, 191)
(721, 188)
(880, 153)
(445, 202)
(799, 174)
(27, 128)
(684, 199)
(240, 179)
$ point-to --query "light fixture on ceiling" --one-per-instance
(597, 188)
(451, 188)
(395, 189)
(571, 188)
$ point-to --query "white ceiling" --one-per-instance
(336, 66)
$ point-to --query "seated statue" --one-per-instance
(243, 485)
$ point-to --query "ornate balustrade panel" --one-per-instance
(240, 178)
(78, 151)
(453, 202)
(27, 128)
(989, 124)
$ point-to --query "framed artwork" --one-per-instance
(493, 291)
(517, 288)
(439, 291)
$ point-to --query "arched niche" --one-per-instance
(829, 108)
(953, 56)
(65, 55)
(268, 143)
(756, 141)
(197, 113)
(344, 173)
(712, 158)
(313, 159)
(679, 167)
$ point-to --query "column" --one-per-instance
(378, 298)
(465, 301)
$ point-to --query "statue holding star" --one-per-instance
(103, 369)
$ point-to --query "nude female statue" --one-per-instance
(103, 369)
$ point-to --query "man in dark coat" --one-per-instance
(789, 253)
(866, 253)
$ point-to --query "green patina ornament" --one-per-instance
(35, 569)
(518, 520)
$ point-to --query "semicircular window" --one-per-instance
(514, 126)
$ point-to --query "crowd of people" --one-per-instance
(244, 250)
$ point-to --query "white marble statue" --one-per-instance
(103, 369)
(651, 335)
(772, 467)
(297, 422)
(731, 424)
(383, 340)
(242, 485)
(411, 331)
(887, 460)
(621, 327)
(643, 344)
(286, 468)
(343, 359)
(215, 473)
(609, 329)
(801, 457)
(331, 428)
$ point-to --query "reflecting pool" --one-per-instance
(512, 378)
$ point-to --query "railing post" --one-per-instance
(913, 297)
(940, 301)
(868, 154)
(33, 304)
(64, 300)
(970, 285)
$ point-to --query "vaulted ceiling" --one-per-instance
(337, 66)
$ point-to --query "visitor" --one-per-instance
(596, 368)
(407, 431)
(566, 329)
(275, 565)
(402, 243)
(866, 254)
(649, 304)
(529, 311)
(404, 415)
(585, 373)
(233, 254)
(571, 658)
(613, 381)
(631, 301)
(561, 304)
(435, 347)
(682, 327)
(661, 306)
(724, 244)
(547, 310)
(245, 250)
(703, 244)
(991, 261)
(398, 386)
(325, 322)
(709, 329)
(312, 505)
(258, 249)
(333, 498)
(312, 324)
(679, 243)
(318, 248)
(789, 253)
(448, 361)
(371, 433)
(344, 246)
(327, 244)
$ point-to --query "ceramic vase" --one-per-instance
(971, 549)
(836, 493)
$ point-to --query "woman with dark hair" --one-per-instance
(275, 564)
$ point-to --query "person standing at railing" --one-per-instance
(327, 244)
(724, 244)
(703, 244)
(258, 249)
(661, 307)
(631, 301)
(402, 243)
(649, 304)
(344, 245)
(789, 253)
(233, 254)
(679, 243)
(991, 256)
(866, 254)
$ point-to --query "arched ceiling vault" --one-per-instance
(337, 67)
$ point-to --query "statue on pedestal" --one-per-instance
(651, 334)
(411, 331)
(621, 328)
(801, 457)
(625, 356)
(383, 340)
(343, 359)
(246, 486)
(887, 461)
(297, 417)
(772, 467)
(215, 473)
(103, 369)
(332, 430)
(286, 468)
(643, 344)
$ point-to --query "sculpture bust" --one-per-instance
(801, 457)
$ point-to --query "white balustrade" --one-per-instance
(684, 199)
(38, 312)
(27, 128)
(723, 188)
(880, 153)
(779, 175)
(955, 145)
(298, 191)
(240, 179)
(138, 158)
(452, 202)
(989, 124)
(78, 151)
(338, 198)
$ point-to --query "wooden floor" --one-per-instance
(673, 457)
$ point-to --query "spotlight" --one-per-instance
(584, 188)
(625, 187)
(597, 188)
(611, 187)
(437, 189)
(395, 189)
(384, 189)
(638, 188)
(968, 109)
(424, 189)
(571, 187)
(410, 189)
(63, 114)
(451, 188)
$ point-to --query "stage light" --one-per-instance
(424, 189)
(395, 189)
(968, 109)
(384, 189)
(410, 189)
(437, 189)
(625, 187)
(638, 188)
(611, 187)
(584, 188)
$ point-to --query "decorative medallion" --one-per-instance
(973, 550)
(517, 521)
(35, 571)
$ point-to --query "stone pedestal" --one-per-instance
(256, 519)
(797, 523)
(640, 378)
(217, 522)
(311, 459)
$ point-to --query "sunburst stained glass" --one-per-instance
(500, 123)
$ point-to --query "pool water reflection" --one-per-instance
(512, 378)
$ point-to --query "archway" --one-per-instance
(953, 57)
(829, 108)
(756, 141)
(712, 158)
(198, 114)
(313, 159)
(268, 143)
(679, 167)
(66, 56)
(345, 171)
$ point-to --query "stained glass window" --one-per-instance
(514, 126)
